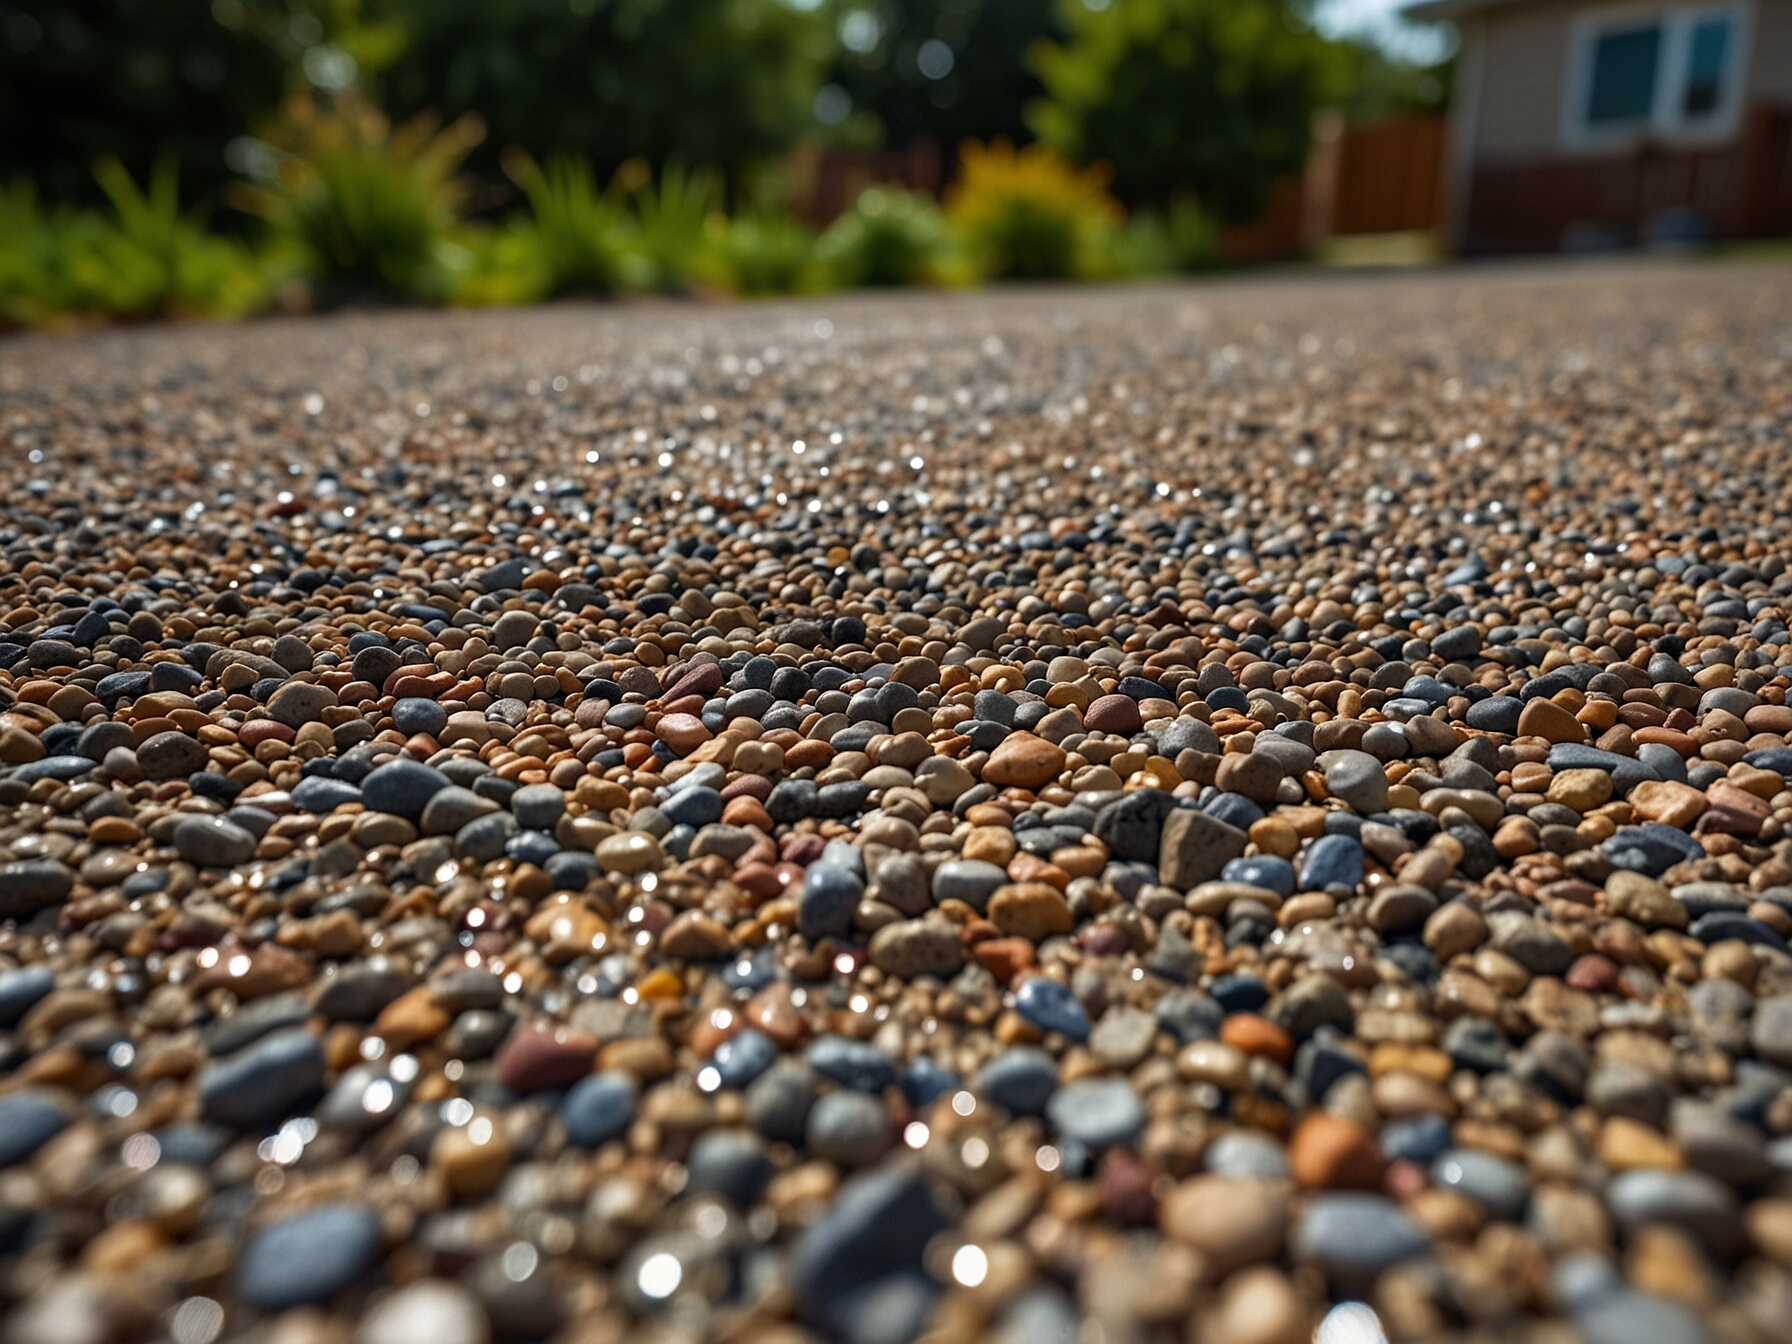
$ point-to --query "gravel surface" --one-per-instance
(1182, 810)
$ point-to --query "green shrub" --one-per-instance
(889, 237)
(1181, 240)
(371, 207)
(581, 237)
(142, 259)
(670, 222)
(1029, 214)
(766, 251)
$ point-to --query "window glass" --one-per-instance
(1623, 85)
(1707, 57)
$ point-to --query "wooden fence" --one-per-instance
(1379, 177)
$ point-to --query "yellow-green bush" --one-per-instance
(1030, 214)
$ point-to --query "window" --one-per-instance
(1622, 89)
(1657, 70)
(1707, 56)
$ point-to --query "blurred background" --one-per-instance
(218, 157)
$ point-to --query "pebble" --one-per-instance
(30, 885)
(1051, 1006)
(212, 842)
(1097, 1112)
(430, 1311)
(28, 1120)
(308, 1257)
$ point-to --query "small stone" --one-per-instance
(1354, 1237)
(1195, 847)
(1031, 910)
(30, 885)
(1356, 778)
(598, 1108)
(850, 1128)
(1329, 1152)
(28, 1120)
(212, 842)
(1098, 1113)
(1024, 761)
(1231, 1222)
(1051, 1006)
(309, 1257)
(265, 1082)
(430, 1311)
(300, 702)
(916, 947)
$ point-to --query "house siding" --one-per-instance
(1770, 76)
(1527, 74)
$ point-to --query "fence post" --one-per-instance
(1319, 180)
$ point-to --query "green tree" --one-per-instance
(1212, 98)
(726, 84)
(939, 70)
(145, 81)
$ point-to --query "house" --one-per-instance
(1601, 123)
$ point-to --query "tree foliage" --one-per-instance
(723, 83)
(145, 81)
(1213, 97)
(940, 70)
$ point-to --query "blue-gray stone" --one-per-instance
(696, 807)
(212, 842)
(1689, 1200)
(1499, 1186)
(1263, 870)
(538, 806)
(1496, 714)
(1354, 1237)
(1721, 925)
(972, 881)
(1651, 848)
(1132, 825)
(319, 794)
(266, 1082)
(877, 1229)
(1097, 1112)
(1051, 1006)
(829, 896)
(28, 1120)
(1579, 756)
(52, 767)
(859, 1065)
(21, 988)
(415, 714)
(1332, 862)
(402, 788)
(484, 838)
(1021, 1079)
(731, 1163)
(925, 1080)
(599, 1108)
(30, 885)
(1246, 1154)
(743, 1057)
(1629, 1317)
(309, 1257)
(850, 1128)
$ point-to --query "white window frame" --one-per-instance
(1665, 123)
